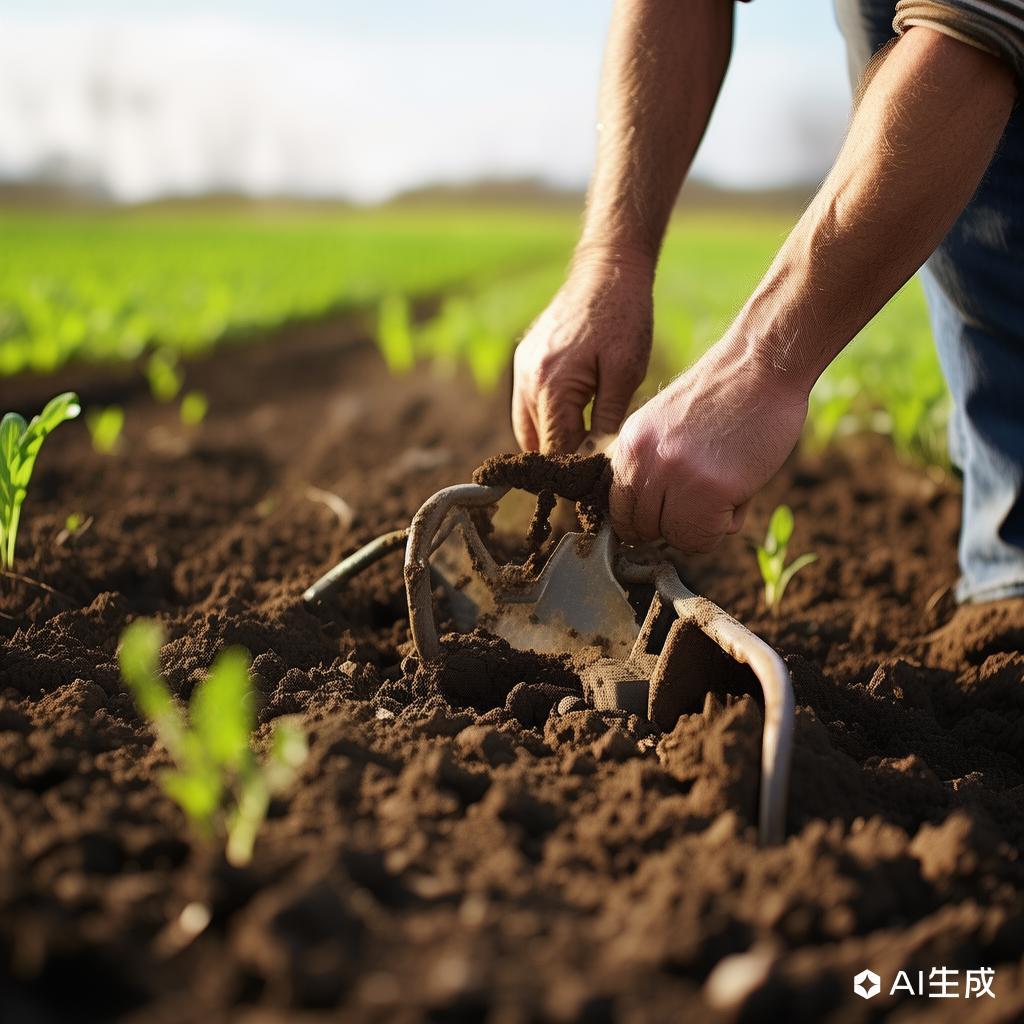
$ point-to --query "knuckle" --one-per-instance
(546, 368)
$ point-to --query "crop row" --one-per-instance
(109, 287)
(113, 287)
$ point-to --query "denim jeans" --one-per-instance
(974, 284)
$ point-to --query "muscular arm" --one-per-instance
(921, 138)
(664, 65)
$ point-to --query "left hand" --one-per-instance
(687, 463)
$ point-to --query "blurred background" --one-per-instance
(133, 101)
(173, 174)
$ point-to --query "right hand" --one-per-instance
(592, 342)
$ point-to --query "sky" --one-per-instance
(329, 97)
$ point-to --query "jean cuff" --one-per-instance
(967, 594)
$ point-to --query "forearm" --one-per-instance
(922, 136)
(664, 65)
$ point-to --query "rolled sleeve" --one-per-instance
(993, 25)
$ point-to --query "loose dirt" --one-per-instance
(469, 841)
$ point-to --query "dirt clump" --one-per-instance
(583, 479)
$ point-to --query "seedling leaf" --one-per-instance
(105, 425)
(19, 446)
(394, 333)
(197, 793)
(139, 658)
(771, 557)
(788, 573)
(217, 780)
(194, 406)
(164, 376)
(780, 528)
(221, 710)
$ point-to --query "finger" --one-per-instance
(647, 509)
(614, 393)
(524, 423)
(621, 503)
(560, 421)
(634, 500)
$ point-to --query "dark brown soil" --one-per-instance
(458, 849)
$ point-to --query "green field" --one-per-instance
(114, 286)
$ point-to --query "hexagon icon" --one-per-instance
(867, 984)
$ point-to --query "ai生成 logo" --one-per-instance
(867, 984)
(941, 983)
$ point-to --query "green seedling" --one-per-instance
(395, 334)
(217, 781)
(19, 445)
(105, 425)
(74, 526)
(164, 375)
(194, 406)
(771, 558)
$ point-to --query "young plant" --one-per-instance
(194, 406)
(217, 780)
(19, 445)
(164, 375)
(105, 425)
(395, 333)
(771, 558)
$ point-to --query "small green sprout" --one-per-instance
(19, 445)
(73, 521)
(105, 425)
(194, 406)
(217, 781)
(164, 375)
(771, 558)
(395, 334)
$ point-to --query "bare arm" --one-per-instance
(923, 134)
(664, 65)
(920, 141)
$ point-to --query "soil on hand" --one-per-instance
(469, 841)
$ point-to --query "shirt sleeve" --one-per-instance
(993, 25)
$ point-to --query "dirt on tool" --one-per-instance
(468, 840)
(583, 479)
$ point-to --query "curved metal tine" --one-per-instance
(450, 521)
(355, 564)
(424, 528)
(488, 567)
(748, 649)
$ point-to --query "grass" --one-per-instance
(171, 284)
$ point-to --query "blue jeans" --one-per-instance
(974, 283)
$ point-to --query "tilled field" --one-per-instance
(459, 851)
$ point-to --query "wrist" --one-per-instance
(782, 333)
(766, 360)
(617, 261)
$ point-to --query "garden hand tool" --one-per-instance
(658, 665)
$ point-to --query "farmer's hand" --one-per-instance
(592, 341)
(688, 461)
